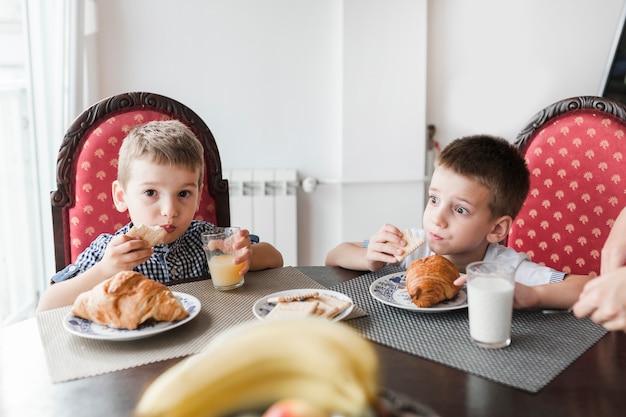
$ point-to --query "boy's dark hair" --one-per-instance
(494, 163)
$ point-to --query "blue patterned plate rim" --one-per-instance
(90, 330)
(391, 290)
(262, 308)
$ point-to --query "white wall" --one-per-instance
(493, 64)
(337, 88)
(334, 89)
(384, 119)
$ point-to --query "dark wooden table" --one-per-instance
(594, 385)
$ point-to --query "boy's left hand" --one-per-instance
(523, 297)
(241, 242)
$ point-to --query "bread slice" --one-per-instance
(330, 306)
(152, 235)
(412, 244)
(294, 309)
(295, 297)
(321, 304)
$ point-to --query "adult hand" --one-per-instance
(614, 250)
(603, 299)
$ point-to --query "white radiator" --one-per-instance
(265, 202)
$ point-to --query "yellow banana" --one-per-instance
(252, 366)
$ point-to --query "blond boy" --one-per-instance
(159, 183)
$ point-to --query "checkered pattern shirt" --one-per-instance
(183, 258)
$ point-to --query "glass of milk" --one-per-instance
(490, 288)
(220, 255)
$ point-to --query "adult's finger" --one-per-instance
(583, 308)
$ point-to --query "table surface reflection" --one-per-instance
(592, 386)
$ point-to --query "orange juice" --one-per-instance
(224, 273)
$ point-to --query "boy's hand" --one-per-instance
(381, 249)
(523, 297)
(241, 242)
(124, 253)
(462, 279)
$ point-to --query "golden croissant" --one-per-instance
(430, 281)
(128, 299)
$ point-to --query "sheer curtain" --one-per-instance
(35, 110)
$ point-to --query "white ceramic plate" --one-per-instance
(86, 328)
(262, 308)
(391, 290)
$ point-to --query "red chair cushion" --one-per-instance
(96, 168)
(576, 166)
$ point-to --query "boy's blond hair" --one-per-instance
(166, 142)
(494, 163)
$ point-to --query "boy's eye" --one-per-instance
(150, 193)
(184, 193)
(462, 210)
(433, 199)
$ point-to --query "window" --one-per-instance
(39, 44)
(19, 207)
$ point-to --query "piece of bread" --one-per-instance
(430, 280)
(330, 306)
(128, 299)
(412, 243)
(295, 297)
(152, 235)
(320, 304)
(294, 309)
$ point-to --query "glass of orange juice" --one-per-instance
(221, 256)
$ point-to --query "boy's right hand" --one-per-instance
(123, 253)
(381, 249)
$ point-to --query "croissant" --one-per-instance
(429, 280)
(128, 299)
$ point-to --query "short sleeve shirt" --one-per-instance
(526, 272)
(181, 259)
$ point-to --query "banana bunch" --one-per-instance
(254, 365)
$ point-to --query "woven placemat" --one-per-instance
(542, 346)
(73, 357)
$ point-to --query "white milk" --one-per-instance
(490, 309)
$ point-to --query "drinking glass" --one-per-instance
(490, 288)
(220, 255)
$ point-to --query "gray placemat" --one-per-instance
(73, 357)
(542, 346)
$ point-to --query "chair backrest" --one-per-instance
(82, 206)
(575, 151)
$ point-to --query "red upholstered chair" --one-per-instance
(82, 205)
(575, 150)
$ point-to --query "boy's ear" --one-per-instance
(119, 196)
(500, 229)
